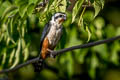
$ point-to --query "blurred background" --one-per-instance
(100, 62)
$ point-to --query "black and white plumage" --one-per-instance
(50, 36)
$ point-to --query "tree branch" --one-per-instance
(55, 53)
(20, 65)
(86, 45)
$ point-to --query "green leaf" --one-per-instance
(7, 13)
(4, 56)
(11, 56)
(118, 31)
(1, 37)
(26, 53)
(8, 40)
(91, 1)
(102, 51)
(25, 49)
(110, 29)
(68, 3)
(99, 22)
(94, 65)
(4, 6)
(62, 7)
(98, 5)
(76, 9)
(69, 64)
(17, 54)
(8, 10)
(30, 9)
(102, 2)
(114, 53)
(80, 21)
(67, 60)
(73, 40)
(23, 9)
(80, 55)
(89, 33)
(87, 20)
(88, 17)
(20, 2)
(50, 3)
(32, 2)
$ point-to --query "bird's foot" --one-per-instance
(51, 53)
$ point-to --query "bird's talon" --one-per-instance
(50, 50)
(51, 55)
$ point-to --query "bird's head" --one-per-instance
(59, 18)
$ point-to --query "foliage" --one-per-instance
(20, 32)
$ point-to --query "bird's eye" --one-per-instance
(60, 15)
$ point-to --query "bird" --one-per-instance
(49, 39)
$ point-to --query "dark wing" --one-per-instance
(39, 64)
(44, 33)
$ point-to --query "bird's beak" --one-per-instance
(60, 21)
(64, 18)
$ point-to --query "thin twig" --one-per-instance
(87, 6)
(20, 66)
(55, 53)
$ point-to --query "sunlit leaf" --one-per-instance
(26, 53)
(4, 6)
(76, 9)
(102, 2)
(99, 22)
(12, 56)
(50, 3)
(4, 56)
(6, 14)
(80, 22)
(17, 54)
(8, 40)
(62, 6)
(89, 33)
(25, 49)
(118, 31)
(8, 10)
(98, 5)
(23, 9)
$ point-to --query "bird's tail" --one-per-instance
(38, 66)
